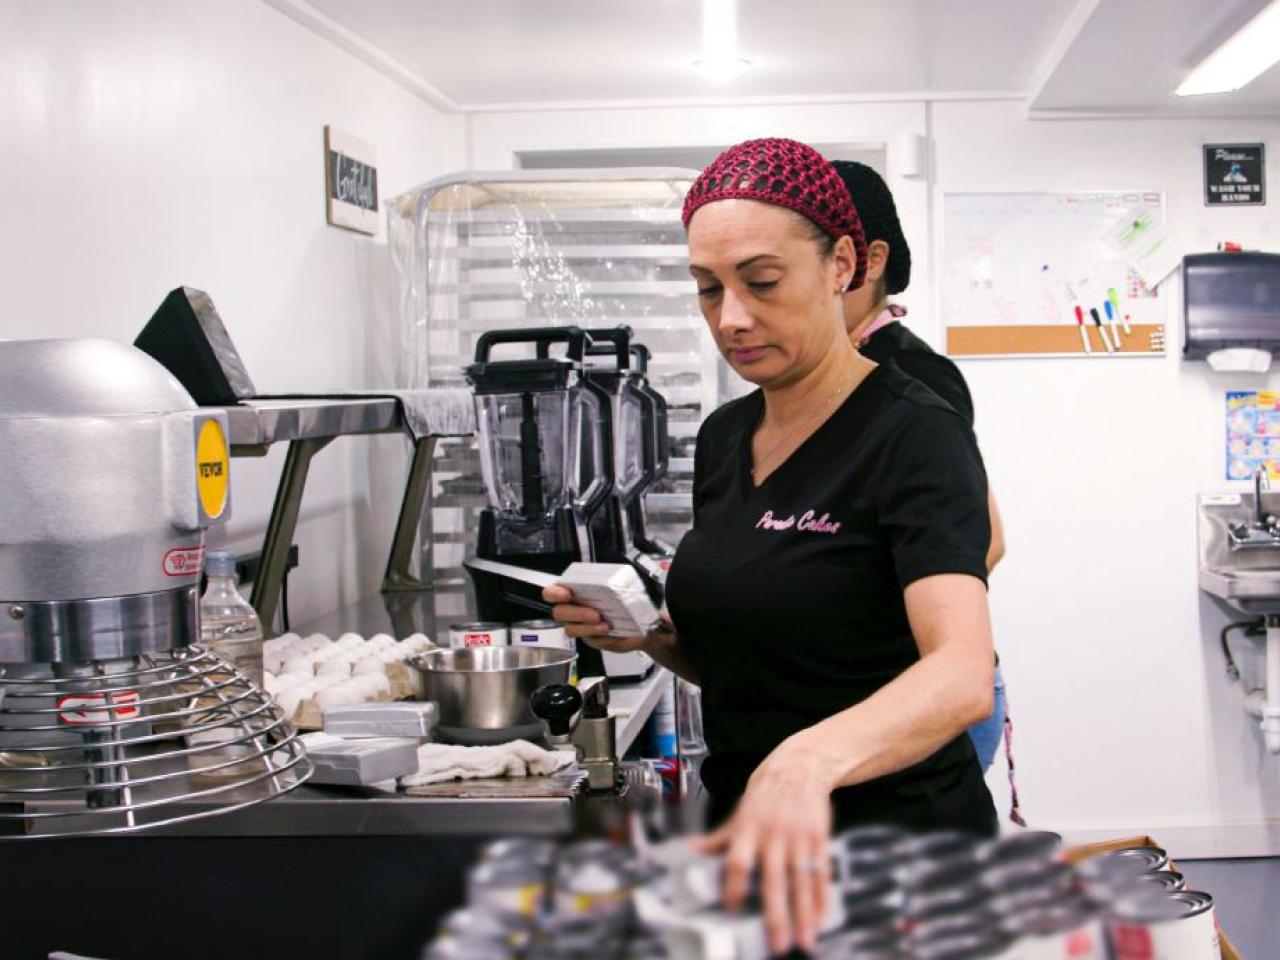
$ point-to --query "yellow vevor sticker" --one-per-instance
(212, 469)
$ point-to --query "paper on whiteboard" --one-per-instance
(1144, 241)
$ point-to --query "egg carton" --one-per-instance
(308, 675)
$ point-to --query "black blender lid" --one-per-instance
(521, 376)
(543, 373)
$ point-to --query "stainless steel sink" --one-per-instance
(1247, 579)
(1253, 592)
(1240, 564)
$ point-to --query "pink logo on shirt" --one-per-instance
(809, 522)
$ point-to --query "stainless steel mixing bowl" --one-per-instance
(483, 693)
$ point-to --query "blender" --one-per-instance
(547, 465)
(639, 439)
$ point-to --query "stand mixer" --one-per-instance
(112, 718)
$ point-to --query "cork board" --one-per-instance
(1052, 274)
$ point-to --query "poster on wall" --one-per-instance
(350, 182)
(1054, 274)
(1234, 174)
(1253, 434)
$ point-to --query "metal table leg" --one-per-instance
(398, 576)
(281, 527)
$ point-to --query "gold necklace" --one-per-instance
(773, 448)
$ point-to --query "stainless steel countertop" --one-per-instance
(260, 423)
(405, 613)
(355, 812)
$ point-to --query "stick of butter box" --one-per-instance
(616, 591)
(613, 589)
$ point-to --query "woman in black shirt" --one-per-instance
(875, 327)
(830, 598)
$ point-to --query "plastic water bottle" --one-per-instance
(228, 625)
(664, 723)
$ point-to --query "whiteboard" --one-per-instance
(1016, 265)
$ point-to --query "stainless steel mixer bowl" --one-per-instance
(482, 693)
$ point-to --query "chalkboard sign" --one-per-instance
(351, 182)
(1234, 174)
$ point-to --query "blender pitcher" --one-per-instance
(546, 461)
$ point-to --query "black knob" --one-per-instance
(556, 704)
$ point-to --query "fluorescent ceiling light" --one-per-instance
(1250, 51)
(720, 59)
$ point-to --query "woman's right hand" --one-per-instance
(580, 621)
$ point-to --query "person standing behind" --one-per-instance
(874, 327)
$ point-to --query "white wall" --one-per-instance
(150, 144)
(1124, 720)
(1124, 717)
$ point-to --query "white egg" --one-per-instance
(284, 640)
(337, 695)
(315, 641)
(377, 684)
(338, 666)
(348, 637)
(289, 701)
(278, 649)
(303, 664)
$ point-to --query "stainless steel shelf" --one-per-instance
(669, 501)
(399, 614)
(467, 502)
(501, 253)
(517, 291)
(260, 423)
(631, 216)
(671, 323)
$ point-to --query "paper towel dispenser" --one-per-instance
(1230, 302)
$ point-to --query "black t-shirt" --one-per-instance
(895, 342)
(788, 597)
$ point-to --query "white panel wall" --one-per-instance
(154, 144)
(1124, 716)
(1125, 722)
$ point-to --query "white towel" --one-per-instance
(439, 762)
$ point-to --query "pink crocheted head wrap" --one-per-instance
(788, 174)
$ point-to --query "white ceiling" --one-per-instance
(1131, 54)
(1060, 55)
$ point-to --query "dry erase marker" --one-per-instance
(1111, 319)
(1102, 331)
(1084, 334)
(1114, 299)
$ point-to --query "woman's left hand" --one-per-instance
(783, 826)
